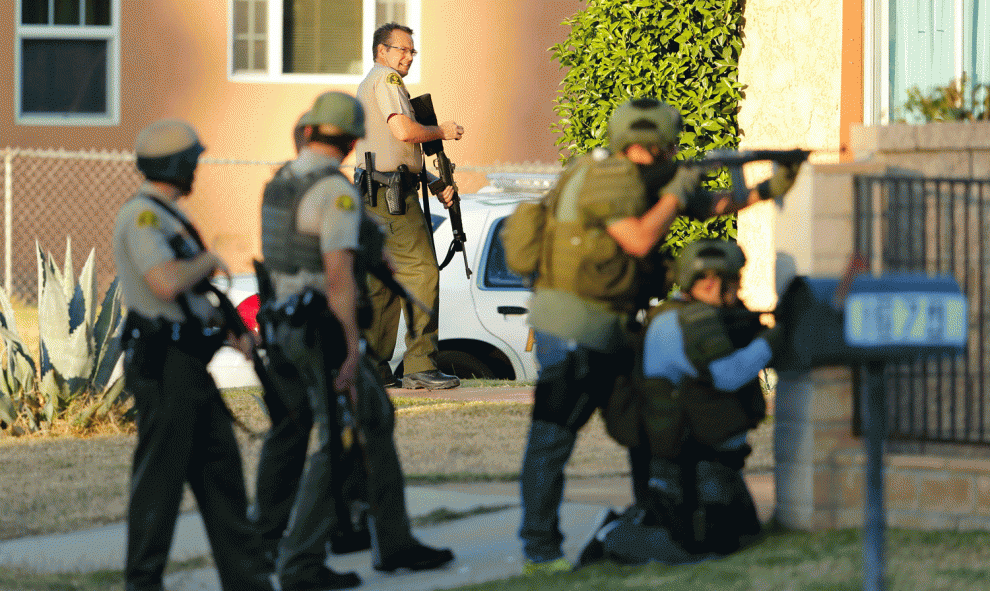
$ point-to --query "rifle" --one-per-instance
(734, 160)
(270, 391)
(423, 107)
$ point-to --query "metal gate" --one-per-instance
(934, 226)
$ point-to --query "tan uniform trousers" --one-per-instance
(408, 242)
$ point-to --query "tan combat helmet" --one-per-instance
(168, 150)
(644, 121)
(724, 257)
(335, 113)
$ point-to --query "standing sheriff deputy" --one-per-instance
(394, 136)
(605, 214)
(311, 220)
(171, 332)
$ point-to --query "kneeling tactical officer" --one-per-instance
(311, 220)
(698, 395)
(171, 332)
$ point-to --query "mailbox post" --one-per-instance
(892, 318)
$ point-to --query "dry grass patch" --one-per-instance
(58, 483)
(485, 441)
(64, 479)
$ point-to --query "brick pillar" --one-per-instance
(813, 416)
(812, 428)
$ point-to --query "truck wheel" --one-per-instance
(463, 365)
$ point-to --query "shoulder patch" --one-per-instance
(394, 78)
(148, 219)
(345, 202)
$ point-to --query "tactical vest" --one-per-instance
(586, 260)
(663, 414)
(285, 249)
(712, 415)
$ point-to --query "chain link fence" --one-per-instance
(54, 196)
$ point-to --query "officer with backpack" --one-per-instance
(697, 395)
(589, 259)
(311, 222)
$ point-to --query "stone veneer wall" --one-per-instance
(819, 464)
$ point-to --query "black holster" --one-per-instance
(396, 185)
(150, 337)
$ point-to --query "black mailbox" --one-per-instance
(890, 318)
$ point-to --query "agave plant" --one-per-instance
(79, 346)
(18, 370)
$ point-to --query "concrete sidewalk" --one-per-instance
(486, 546)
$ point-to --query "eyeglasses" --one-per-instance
(404, 50)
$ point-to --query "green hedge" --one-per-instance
(685, 53)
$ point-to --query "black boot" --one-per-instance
(415, 557)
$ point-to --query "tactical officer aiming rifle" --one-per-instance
(735, 159)
(423, 107)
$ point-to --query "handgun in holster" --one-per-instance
(395, 198)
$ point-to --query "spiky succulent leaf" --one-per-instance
(68, 283)
(112, 394)
(69, 352)
(7, 316)
(76, 309)
(51, 389)
(87, 282)
(110, 316)
(8, 411)
(40, 255)
(19, 368)
(106, 337)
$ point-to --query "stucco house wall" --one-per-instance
(791, 64)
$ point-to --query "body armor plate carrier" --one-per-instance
(285, 249)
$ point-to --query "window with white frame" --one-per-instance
(66, 59)
(311, 40)
(924, 44)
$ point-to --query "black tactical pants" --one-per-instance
(283, 457)
(566, 395)
(283, 453)
(302, 550)
(185, 435)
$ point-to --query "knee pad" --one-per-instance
(665, 481)
(717, 483)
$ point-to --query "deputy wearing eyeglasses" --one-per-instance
(394, 137)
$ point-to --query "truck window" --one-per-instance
(497, 274)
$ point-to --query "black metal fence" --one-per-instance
(934, 226)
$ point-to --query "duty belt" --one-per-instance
(195, 338)
(395, 183)
(410, 180)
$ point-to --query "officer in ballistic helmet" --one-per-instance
(697, 376)
(606, 214)
(311, 222)
(171, 332)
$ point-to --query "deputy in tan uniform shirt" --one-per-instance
(394, 136)
(172, 330)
